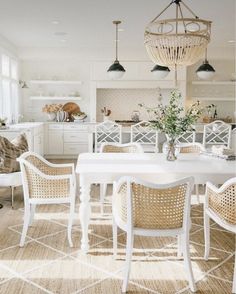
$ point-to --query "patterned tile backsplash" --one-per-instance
(122, 102)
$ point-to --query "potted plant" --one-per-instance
(51, 110)
(174, 121)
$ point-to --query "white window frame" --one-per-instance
(12, 116)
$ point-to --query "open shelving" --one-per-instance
(56, 98)
(214, 98)
(211, 83)
(55, 82)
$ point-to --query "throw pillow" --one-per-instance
(10, 151)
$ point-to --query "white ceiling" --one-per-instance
(88, 23)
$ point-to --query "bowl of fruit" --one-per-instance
(79, 116)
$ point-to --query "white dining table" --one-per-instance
(109, 167)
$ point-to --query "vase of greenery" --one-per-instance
(173, 121)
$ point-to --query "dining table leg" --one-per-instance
(84, 212)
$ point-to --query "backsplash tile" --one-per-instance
(122, 102)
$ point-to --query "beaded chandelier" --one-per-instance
(177, 41)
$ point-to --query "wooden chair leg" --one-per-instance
(129, 250)
(26, 225)
(206, 235)
(187, 262)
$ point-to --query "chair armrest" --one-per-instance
(222, 201)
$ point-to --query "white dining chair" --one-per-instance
(217, 133)
(117, 148)
(148, 209)
(193, 148)
(107, 132)
(46, 183)
(220, 206)
(143, 134)
(187, 137)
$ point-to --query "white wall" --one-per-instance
(224, 72)
(60, 69)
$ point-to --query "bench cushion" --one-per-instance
(12, 179)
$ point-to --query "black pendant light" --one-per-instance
(160, 72)
(205, 71)
(116, 70)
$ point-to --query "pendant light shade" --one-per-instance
(160, 72)
(205, 71)
(116, 70)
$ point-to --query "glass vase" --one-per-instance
(51, 116)
(171, 149)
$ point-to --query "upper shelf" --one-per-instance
(56, 98)
(55, 82)
(213, 83)
(214, 98)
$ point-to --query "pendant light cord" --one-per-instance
(116, 41)
(206, 55)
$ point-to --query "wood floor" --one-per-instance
(48, 265)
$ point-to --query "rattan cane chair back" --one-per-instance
(223, 203)
(41, 187)
(153, 208)
(191, 148)
(121, 148)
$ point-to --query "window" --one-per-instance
(6, 98)
(9, 95)
(5, 65)
(14, 74)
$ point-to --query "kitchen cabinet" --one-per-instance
(34, 133)
(66, 140)
(55, 142)
(55, 139)
(75, 139)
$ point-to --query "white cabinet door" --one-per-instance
(75, 148)
(38, 144)
(55, 142)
